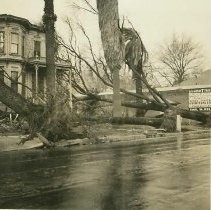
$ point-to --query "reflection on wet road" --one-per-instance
(151, 177)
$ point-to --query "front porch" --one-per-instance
(35, 79)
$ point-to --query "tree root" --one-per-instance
(28, 138)
(41, 138)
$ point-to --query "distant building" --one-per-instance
(203, 79)
(23, 55)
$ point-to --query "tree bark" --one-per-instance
(139, 88)
(193, 115)
(49, 19)
(113, 45)
(117, 112)
(15, 101)
(156, 122)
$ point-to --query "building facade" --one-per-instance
(23, 56)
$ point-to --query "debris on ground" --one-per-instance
(88, 134)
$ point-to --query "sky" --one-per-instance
(155, 20)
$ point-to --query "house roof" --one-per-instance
(22, 21)
(203, 79)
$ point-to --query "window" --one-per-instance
(1, 73)
(14, 43)
(23, 46)
(37, 48)
(1, 42)
(14, 80)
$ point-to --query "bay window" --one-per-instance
(14, 43)
(2, 40)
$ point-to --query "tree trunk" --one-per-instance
(139, 88)
(156, 122)
(15, 101)
(113, 45)
(116, 95)
(59, 118)
(193, 115)
(49, 19)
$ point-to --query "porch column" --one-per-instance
(36, 79)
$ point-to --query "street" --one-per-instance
(150, 177)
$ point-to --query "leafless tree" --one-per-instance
(178, 58)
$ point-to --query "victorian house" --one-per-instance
(23, 56)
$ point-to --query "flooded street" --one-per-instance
(148, 177)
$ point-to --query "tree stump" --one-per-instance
(169, 121)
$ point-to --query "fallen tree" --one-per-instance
(155, 122)
(14, 100)
(37, 115)
(152, 105)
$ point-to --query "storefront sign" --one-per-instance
(200, 99)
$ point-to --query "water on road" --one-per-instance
(151, 177)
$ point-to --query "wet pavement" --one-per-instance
(165, 176)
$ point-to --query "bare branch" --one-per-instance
(90, 8)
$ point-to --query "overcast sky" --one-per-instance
(156, 20)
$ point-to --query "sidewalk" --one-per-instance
(110, 135)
